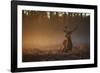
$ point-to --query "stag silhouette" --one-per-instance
(67, 43)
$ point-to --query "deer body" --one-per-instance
(67, 43)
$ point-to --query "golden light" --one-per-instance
(48, 15)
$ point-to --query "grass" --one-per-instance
(34, 55)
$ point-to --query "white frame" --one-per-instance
(53, 63)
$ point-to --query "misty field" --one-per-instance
(35, 54)
(55, 35)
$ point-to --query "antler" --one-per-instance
(66, 29)
(75, 28)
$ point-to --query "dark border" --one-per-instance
(14, 5)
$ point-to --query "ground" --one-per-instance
(80, 52)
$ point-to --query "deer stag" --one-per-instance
(67, 43)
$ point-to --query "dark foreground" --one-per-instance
(38, 55)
